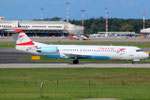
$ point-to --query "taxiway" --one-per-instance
(66, 65)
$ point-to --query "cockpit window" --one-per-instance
(139, 50)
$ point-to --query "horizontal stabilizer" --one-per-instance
(14, 31)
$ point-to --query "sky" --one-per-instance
(31, 9)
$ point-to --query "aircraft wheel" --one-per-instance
(75, 61)
(133, 62)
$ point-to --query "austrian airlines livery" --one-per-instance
(75, 52)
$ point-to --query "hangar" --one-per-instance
(41, 28)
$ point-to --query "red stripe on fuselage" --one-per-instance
(27, 43)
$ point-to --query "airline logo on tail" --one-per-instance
(27, 43)
(21, 38)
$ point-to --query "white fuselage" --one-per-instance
(88, 52)
(24, 43)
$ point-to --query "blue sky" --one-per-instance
(31, 9)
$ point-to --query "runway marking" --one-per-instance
(65, 65)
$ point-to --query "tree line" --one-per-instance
(94, 25)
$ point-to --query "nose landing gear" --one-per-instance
(134, 60)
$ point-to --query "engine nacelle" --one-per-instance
(47, 49)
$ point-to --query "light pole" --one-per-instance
(42, 14)
(83, 20)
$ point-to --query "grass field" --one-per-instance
(75, 83)
(141, 45)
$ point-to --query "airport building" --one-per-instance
(40, 28)
(113, 34)
(146, 30)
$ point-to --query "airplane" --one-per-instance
(84, 37)
(76, 52)
(78, 37)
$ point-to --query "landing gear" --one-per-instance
(76, 61)
(133, 62)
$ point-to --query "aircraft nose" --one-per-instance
(145, 55)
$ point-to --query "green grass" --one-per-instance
(75, 83)
(141, 45)
(7, 45)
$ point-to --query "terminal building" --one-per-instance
(146, 30)
(113, 34)
(40, 28)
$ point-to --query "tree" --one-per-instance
(53, 19)
(94, 25)
(127, 27)
(50, 19)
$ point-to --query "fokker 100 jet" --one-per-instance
(76, 52)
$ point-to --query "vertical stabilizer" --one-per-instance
(23, 42)
(21, 38)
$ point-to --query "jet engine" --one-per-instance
(50, 49)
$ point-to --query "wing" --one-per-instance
(74, 55)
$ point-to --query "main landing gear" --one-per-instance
(133, 62)
(76, 61)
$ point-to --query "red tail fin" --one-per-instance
(21, 38)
